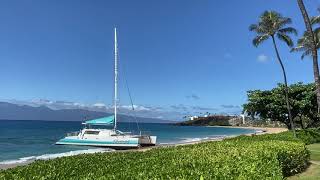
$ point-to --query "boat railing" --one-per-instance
(73, 133)
(127, 133)
(146, 133)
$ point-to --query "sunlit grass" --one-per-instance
(312, 173)
(314, 151)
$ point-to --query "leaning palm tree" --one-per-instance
(271, 25)
(313, 49)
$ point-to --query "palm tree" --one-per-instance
(271, 25)
(304, 44)
(315, 20)
(313, 49)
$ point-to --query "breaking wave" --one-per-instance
(52, 156)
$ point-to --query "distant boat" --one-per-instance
(103, 132)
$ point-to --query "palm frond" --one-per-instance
(298, 49)
(253, 27)
(285, 38)
(315, 20)
(316, 31)
(306, 53)
(271, 23)
(283, 21)
(288, 30)
(259, 39)
(305, 44)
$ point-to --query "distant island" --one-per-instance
(11, 111)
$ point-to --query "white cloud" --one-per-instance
(136, 107)
(41, 101)
(262, 58)
(100, 105)
(227, 56)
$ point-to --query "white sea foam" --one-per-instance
(190, 140)
(187, 140)
(52, 156)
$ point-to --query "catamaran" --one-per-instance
(103, 132)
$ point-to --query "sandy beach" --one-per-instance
(267, 130)
(263, 131)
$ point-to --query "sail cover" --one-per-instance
(101, 121)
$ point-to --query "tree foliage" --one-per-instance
(270, 104)
(304, 44)
(272, 24)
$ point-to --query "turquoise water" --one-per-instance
(25, 140)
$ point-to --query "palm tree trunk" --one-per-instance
(286, 86)
(301, 122)
(314, 50)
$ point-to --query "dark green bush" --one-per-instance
(309, 136)
(233, 159)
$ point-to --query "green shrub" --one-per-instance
(233, 159)
(307, 136)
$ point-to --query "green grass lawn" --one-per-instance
(315, 151)
(313, 171)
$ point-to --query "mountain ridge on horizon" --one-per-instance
(11, 111)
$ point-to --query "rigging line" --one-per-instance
(132, 106)
(130, 97)
(134, 114)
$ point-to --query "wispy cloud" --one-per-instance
(179, 107)
(99, 105)
(262, 58)
(227, 56)
(229, 106)
(204, 108)
(193, 96)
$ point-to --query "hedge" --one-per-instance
(307, 136)
(239, 158)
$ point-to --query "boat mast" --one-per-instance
(115, 77)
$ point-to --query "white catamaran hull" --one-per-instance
(112, 142)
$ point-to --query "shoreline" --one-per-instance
(267, 130)
(142, 149)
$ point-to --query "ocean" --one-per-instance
(31, 140)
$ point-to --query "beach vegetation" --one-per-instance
(257, 157)
(310, 39)
(212, 120)
(271, 105)
(313, 170)
(307, 136)
(273, 25)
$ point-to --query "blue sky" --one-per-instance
(177, 54)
